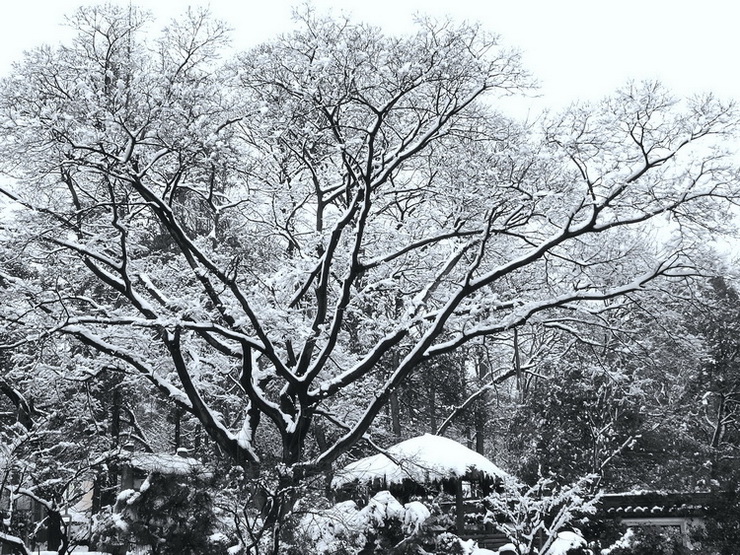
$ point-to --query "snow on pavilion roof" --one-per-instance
(422, 459)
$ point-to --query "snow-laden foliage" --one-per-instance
(383, 525)
(657, 540)
(536, 518)
(168, 514)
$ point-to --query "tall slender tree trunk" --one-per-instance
(432, 407)
(481, 413)
(115, 417)
(177, 418)
(394, 404)
(395, 411)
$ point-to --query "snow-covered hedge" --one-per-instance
(384, 526)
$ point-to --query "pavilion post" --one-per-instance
(459, 509)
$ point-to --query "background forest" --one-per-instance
(288, 259)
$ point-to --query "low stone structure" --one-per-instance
(653, 508)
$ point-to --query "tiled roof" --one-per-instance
(654, 504)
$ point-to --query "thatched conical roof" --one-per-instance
(423, 459)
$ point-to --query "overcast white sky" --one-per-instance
(576, 48)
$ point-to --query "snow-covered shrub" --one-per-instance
(449, 544)
(653, 540)
(170, 515)
(383, 526)
(568, 542)
(110, 531)
(527, 514)
(337, 530)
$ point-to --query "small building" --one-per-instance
(423, 466)
(412, 466)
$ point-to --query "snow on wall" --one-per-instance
(423, 459)
(164, 463)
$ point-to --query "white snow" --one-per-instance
(163, 463)
(415, 516)
(244, 437)
(11, 539)
(218, 537)
(119, 523)
(424, 459)
(565, 542)
(382, 507)
(145, 485)
(126, 495)
(625, 542)
(327, 529)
